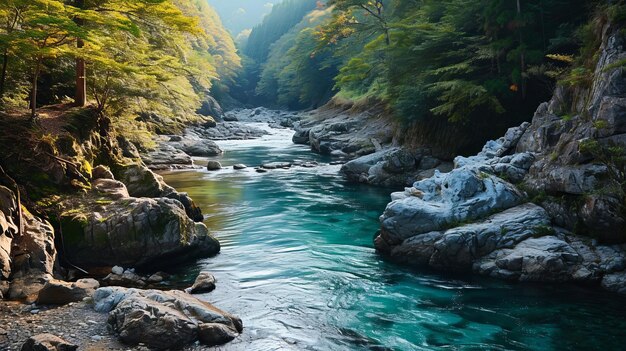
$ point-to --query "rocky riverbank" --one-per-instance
(366, 139)
(77, 202)
(178, 151)
(542, 203)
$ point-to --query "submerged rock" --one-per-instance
(275, 165)
(213, 165)
(164, 319)
(205, 282)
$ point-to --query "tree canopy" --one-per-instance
(160, 56)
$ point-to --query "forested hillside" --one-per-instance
(436, 64)
(155, 60)
(278, 22)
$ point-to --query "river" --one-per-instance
(298, 266)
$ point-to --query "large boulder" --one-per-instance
(47, 342)
(193, 145)
(458, 248)
(443, 200)
(57, 292)
(615, 282)
(102, 172)
(338, 129)
(111, 188)
(164, 319)
(166, 155)
(135, 232)
(301, 136)
(393, 167)
(142, 182)
(547, 258)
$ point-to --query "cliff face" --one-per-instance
(543, 203)
(578, 156)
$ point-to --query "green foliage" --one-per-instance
(459, 60)
(295, 74)
(146, 56)
(613, 156)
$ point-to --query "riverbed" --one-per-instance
(298, 266)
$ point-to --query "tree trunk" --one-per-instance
(81, 79)
(33, 93)
(81, 69)
(5, 54)
(3, 76)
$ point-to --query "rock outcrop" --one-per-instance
(33, 257)
(480, 218)
(210, 107)
(142, 224)
(8, 230)
(132, 231)
(343, 130)
(164, 319)
(393, 167)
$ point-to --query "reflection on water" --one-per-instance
(297, 264)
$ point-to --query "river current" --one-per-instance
(298, 266)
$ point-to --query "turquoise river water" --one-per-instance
(298, 266)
